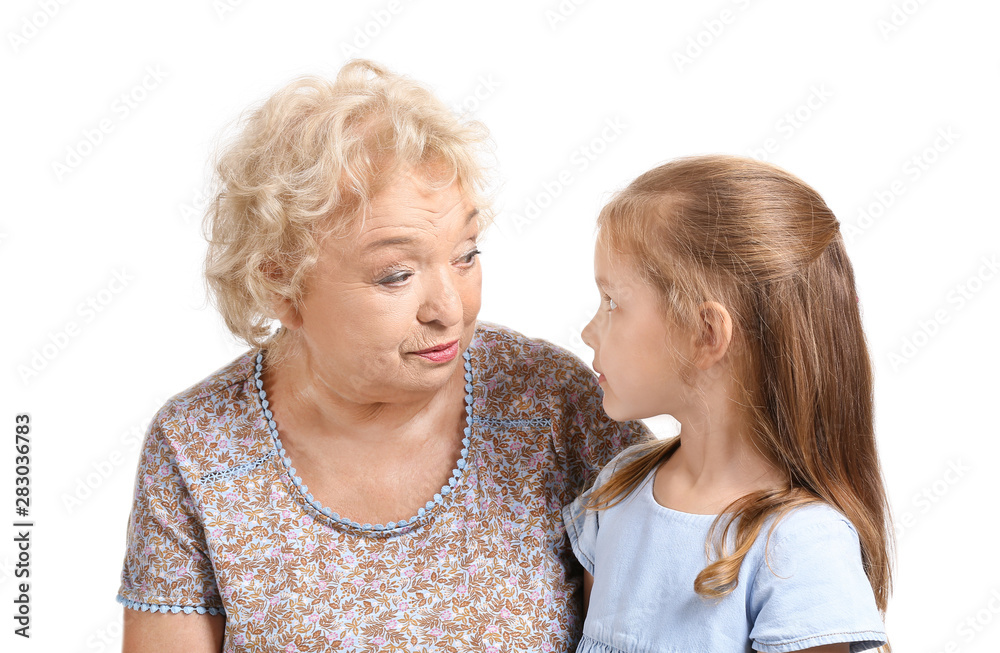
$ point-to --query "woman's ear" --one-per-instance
(715, 332)
(287, 313)
(281, 307)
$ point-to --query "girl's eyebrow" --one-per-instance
(604, 283)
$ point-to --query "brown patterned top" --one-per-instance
(220, 524)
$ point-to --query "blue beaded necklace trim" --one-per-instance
(383, 530)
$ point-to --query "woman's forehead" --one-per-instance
(419, 190)
(408, 227)
(409, 213)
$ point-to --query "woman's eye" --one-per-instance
(395, 279)
(399, 278)
(469, 258)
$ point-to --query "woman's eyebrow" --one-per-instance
(388, 242)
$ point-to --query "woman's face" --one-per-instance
(379, 300)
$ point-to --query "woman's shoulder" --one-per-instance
(235, 373)
(518, 377)
(217, 421)
(502, 353)
(220, 387)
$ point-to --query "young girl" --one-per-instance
(728, 302)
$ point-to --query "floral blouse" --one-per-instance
(221, 524)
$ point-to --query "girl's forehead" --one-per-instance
(612, 267)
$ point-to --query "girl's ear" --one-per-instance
(715, 332)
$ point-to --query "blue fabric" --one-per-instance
(810, 590)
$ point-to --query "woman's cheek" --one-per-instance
(472, 294)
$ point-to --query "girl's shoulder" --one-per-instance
(810, 521)
(811, 567)
(808, 537)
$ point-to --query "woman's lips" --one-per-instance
(441, 353)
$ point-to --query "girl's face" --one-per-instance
(638, 356)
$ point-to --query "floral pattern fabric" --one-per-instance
(221, 525)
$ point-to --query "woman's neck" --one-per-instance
(310, 404)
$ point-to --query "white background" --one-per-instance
(847, 98)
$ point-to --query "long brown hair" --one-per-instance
(765, 245)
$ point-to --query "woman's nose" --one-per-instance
(441, 301)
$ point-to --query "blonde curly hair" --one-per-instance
(305, 165)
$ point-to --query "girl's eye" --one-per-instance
(611, 303)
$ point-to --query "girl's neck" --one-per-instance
(716, 463)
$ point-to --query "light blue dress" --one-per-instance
(811, 589)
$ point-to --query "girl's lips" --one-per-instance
(441, 354)
(600, 379)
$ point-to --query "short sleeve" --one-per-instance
(589, 438)
(811, 589)
(582, 525)
(166, 567)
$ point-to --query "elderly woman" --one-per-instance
(384, 472)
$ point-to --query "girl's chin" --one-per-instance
(614, 410)
(619, 413)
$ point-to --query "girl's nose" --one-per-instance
(588, 334)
